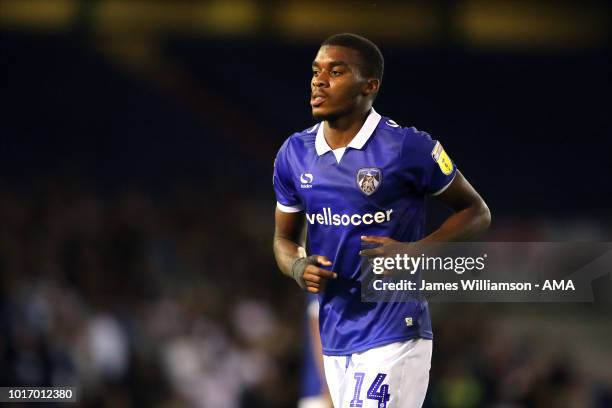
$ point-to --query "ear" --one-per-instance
(371, 86)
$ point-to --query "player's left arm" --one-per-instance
(471, 215)
(470, 219)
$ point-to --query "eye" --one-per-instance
(336, 73)
(315, 72)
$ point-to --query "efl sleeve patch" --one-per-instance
(439, 156)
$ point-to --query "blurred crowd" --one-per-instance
(174, 300)
(144, 302)
(479, 361)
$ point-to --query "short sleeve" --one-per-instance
(284, 186)
(436, 169)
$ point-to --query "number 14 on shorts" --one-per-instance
(376, 391)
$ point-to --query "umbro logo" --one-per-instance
(306, 180)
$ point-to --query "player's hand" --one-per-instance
(385, 248)
(390, 248)
(310, 276)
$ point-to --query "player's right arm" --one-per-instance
(291, 256)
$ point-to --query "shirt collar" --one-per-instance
(357, 142)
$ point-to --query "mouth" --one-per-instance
(317, 100)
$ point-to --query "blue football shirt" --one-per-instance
(377, 185)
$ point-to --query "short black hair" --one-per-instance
(372, 60)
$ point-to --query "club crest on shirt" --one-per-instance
(368, 179)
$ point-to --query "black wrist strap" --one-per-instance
(300, 264)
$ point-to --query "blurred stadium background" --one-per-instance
(136, 148)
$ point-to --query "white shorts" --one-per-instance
(391, 376)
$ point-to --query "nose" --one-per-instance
(320, 80)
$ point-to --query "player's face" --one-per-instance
(337, 87)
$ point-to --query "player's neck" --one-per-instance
(340, 131)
